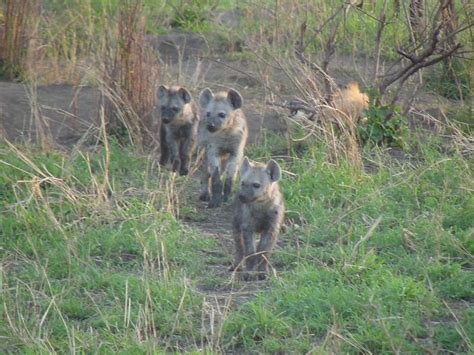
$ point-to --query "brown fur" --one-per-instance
(348, 103)
(179, 128)
(259, 209)
(351, 101)
(223, 139)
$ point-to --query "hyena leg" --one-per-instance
(204, 194)
(214, 167)
(174, 153)
(216, 189)
(249, 250)
(232, 166)
(239, 246)
(185, 152)
(165, 154)
(264, 250)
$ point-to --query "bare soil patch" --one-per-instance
(66, 111)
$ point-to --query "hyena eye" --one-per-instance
(221, 114)
(256, 185)
(175, 109)
(208, 114)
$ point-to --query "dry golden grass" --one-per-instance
(130, 76)
(20, 30)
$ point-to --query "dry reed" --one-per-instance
(130, 75)
(21, 18)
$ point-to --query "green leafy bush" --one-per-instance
(377, 129)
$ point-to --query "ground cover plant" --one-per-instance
(103, 250)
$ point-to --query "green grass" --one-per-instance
(93, 258)
(345, 289)
(378, 262)
(84, 274)
(356, 33)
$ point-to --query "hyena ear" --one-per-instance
(235, 98)
(185, 95)
(162, 92)
(245, 165)
(274, 170)
(205, 97)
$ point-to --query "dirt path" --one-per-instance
(68, 115)
(222, 290)
(69, 112)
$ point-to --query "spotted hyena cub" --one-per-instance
(259, 209)
(179, 126)
(223, 135)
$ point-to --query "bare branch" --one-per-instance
(322, 70)
(422, 60)
(378, 39)
(406, 55)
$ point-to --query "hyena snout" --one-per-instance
(224, 134)
(211, 127)
(178, 131)
(256, 181)
(214, 124)
(169, 113)
(248, 193)
(172, 100)
(243, 198)
(220, 108)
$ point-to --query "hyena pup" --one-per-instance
(179, 126)
(259, 209)
(223, 135)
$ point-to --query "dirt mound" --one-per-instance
(66, 112)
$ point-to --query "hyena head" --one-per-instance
(172, 101)
(219, 108)
(257, 180)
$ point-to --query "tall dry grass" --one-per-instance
(321, 118)
(18, 36)
(129, 78)
(83, 44)
(283, 33)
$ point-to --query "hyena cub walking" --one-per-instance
(259, 209)
(223, 135)
(179, 126)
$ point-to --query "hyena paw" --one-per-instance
(249, 276)
(204, 196)
(215, 202)
(183, 171)
(227, 190)
(235, 267)
(176, 164)
(254, 276)
(263, 271)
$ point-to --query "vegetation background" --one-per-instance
(103, 250)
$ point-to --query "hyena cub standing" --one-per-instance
(259, 209)
(179, 125)
(223, 135)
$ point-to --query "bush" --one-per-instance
(377, 129)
